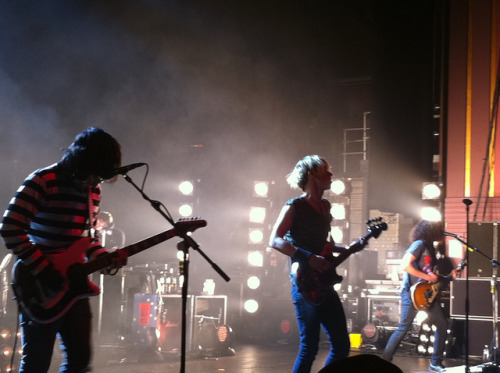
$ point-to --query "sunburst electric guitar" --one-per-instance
(313, 285)
(44, 306)
(423, 294)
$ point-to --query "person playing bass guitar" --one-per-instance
(54, 208)
(419, 264)
(301, 232)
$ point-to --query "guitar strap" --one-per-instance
(93, 212)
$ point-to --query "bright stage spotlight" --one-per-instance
(256, 258)
(337, 234)
(257, 214)
(251, 305)
(253, 282)
(255, 235)
(431, 191)
(186, 188)
(431, 213)
(338, 187)
(261, 189)
(5, 334)
(338, 211)
(186, 209)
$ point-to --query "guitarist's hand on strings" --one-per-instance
(319, 263)
(432, 277)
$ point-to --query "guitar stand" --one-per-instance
(185, 244)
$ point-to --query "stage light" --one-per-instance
(224, 333)
(338, 187)
(253, 282)
(257, 214)
(420, 317)
(251, 305)
(430, 213)
(338, 211)
(186, 188)
(256, 258)
(337, 234)
(431, 191)
(255, 235)
(261, 189)
(186, 209)
(7, 351)
(5, 334)
(285, 326)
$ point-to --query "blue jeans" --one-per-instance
(330, 315)
(408, 313)
(74, 331)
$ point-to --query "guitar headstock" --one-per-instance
(376, 226)
(189, 224)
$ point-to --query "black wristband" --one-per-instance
(301, 255)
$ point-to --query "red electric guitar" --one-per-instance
(45, 306)
(314, 285)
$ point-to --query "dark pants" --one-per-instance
(408, 313)
(74, 332)
(330, 315)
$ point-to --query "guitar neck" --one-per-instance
(347, 252)
(106, 260)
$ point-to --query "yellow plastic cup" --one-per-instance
(356, 340)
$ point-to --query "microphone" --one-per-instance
(123, 170)
(467, 202)
(451, 234)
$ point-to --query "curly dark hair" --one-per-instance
(93, 152)
(428, 231)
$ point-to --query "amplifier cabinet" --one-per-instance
(209, 313)
(384, 309)
(480, 298)
(481, 334)
(144, 320)
(157, 321)
(169, 325)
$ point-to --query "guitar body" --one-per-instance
(44, 306)
(423, 295)
(313, 285)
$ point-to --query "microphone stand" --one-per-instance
(187, 242)
(494, 296)
(467, 203)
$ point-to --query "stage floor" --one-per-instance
(248, 358)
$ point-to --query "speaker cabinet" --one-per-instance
(480, 298)
(480, 335)
(383, 309)
(209, 314)
(145, 315)
(169, 323)
(485, 237)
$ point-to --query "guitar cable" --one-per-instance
(13, 356)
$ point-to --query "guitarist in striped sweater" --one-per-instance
(54, 208)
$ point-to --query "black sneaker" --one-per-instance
(437, 368)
